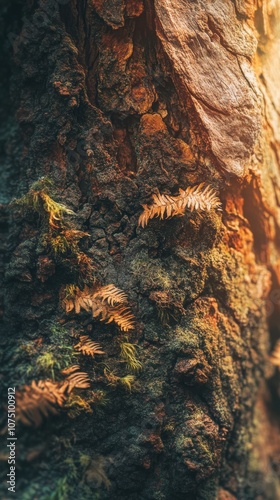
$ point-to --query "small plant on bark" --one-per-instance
(58, 237)
(127, 381)
(128, 354)
(39, 199)
(107, 303)
(199, 198)
(43, 398)
(88, 347)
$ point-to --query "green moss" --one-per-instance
(204, 449)
(57, 236)
(57, 329)
(179, 275)
(72, 483)
(64, 242)
(70, 291)
(127, 382)
(39, 200)
(186, 337)
(228, 272)
(76, 404)
(47, 362)
(154, 277)
(84, 460)
(208, 490)
(55, 358)
(48, 357)
(58, 244)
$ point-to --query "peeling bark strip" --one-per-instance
(207, 47)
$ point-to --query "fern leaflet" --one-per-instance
(199, 198)
(106, 303)
(88, 347)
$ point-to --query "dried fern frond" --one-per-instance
(57, 389)
(163, 206)
(77, 299)
(75, 379)
(111, 294)
(100, 310)
(199, 198)
(101, 303)
(123, 317)
(39, 400)
(70, 369)
(275, 355)
(88, 347)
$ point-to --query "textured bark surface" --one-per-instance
(112, 100)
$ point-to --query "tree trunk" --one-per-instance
(112, 101)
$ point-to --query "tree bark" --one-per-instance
(113, 101)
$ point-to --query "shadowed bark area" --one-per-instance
(110, 102)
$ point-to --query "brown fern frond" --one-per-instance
(197, 197)
(39, 400)
(123, 317)
(275, 355)
(105, 303)
(70, 369)
(78, 299)
(111, 294)
(100, 310)
(56, 389)
(88, 347)
(163, 206)
(75, 379)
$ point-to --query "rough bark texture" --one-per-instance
(112, 100)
